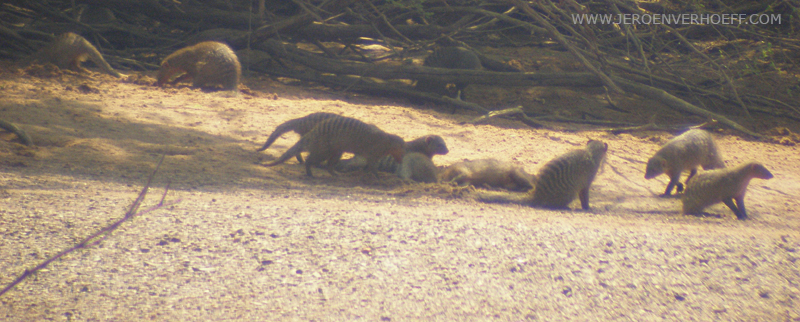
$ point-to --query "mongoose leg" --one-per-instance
(674, 180)
(332, 161)
(299, 158)
(691, 174)
(742, 215)
(313, 160)
(678, 187)
(583, 194)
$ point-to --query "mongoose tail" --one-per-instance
(69, 50)
(296, 149)
(300, 126)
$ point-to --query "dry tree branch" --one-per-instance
(19, 132)
(98, 236)
(557, 35)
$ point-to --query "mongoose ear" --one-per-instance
(428, 139)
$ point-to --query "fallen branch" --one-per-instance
(95, 238)
(20, 133)
(672, 101)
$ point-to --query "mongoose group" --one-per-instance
(327, 136)
(560, 181)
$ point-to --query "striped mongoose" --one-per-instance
(429, 145)
(300, 126)
(208, 64)
(561, 180)
(685, 152)
(418, 167)
(722, 185)
(333, 137)
(68, 51)
(568, 176)
(451, 58)
(489, 172)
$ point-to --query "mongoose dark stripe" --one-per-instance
(334, 136)
(722, 185)
(208, 64)
(300, 126)
(685, 152)
(568, 176)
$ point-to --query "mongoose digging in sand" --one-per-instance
(301, 125)
(723, 185)
(428, 145)
(684, 152)
(489, 172)
(561, 180)
(68, 51)
(208, 64)
(418, 167)
(335, 136)
(452, 58)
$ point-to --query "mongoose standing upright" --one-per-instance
(722, 185)
(567, 176)
(335, 136)
(418, 167)
(560, 180)
(684, 152)
(450, 57)
(208, 64)
(68, 51)
(301, 125)
(489, 172)
(429, 145)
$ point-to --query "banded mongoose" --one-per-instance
(208, 64)
(418, 167)
(301, 125)
(450, 57)
(68, 51)
(489, 172)
(722, 185)
(685, 152)
(560, 180)
(429, 145)
(333, 137)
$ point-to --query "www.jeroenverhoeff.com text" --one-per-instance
(676, 19)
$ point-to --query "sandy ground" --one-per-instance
(247, 242)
